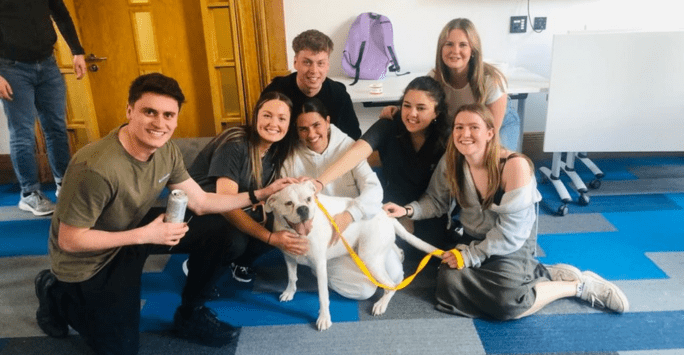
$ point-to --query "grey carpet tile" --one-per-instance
(13, 213)
(150, 344)
(640, 186)
(657, 171)
(671, 262)
(653, 352)
(574, 223)
(660, 294)
(156, 263)
(408, 303)
(18, 301)
(381, 337)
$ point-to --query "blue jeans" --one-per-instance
(510, 128)
(38, 89)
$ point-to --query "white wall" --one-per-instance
(417, 24)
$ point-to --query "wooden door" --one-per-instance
(222, 52)
(182, 39)
(144, 36)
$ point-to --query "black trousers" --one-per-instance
(105, 309)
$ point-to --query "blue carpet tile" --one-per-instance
(9, 193)
(619, 255)
(238, 305)
(583, 333)
(24, 237)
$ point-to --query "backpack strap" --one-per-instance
(388, 38)
(364, 23)
(357, 66)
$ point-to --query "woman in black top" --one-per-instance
(245, 158)
(410, 145)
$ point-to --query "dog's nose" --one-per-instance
(303, 212)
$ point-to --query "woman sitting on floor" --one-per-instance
(492, 271)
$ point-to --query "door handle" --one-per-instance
(91, 58)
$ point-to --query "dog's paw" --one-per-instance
(286, 296)
(324, 322)
(380, 307)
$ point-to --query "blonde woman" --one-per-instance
(492, 271)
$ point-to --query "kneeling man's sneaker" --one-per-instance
(603, 293)
(202, 326)
(563, 272)
(47, 315)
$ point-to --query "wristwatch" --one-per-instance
(409, 211)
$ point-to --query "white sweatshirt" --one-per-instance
(360, 183)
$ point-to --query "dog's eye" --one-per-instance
(289, 203)
(308, 199)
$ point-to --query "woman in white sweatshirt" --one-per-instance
(492, 271)
(320, 145)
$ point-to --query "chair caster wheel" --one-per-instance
(595, 184)
(584, 199)
(562, 210)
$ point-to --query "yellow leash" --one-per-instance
(364, 269)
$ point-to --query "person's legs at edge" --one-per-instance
(21, 113)
(51, 105)
(510, 128)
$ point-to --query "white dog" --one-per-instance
(294, 208)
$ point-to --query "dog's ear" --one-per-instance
(268, 204)
(309, 184)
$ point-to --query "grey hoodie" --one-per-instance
(500, 230)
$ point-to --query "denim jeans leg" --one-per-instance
(510, 128)
(21, 113)
(51, 105)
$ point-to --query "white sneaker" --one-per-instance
(603, 293)
(58, 187)
(36, 203)
(564, 272)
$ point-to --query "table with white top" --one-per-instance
(521, 82)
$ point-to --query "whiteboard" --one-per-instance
(616, 92)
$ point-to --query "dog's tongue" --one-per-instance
(303, 228)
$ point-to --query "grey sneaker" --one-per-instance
(564, 272)
(603, 293)
(37, 203)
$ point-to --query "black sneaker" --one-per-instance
(47, 314)
(204, 327)
(242, 273)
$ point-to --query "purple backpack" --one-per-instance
(370, 48)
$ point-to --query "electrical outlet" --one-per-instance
(518, 24)
(539, 23)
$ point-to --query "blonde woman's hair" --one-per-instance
(478, 70)
(455, 161)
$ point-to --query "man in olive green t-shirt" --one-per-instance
(104, 228)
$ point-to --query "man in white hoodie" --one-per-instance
(322, 143)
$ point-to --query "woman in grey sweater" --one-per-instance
(492, 271)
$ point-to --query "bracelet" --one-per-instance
(252, 196)
(269, 238)
(409, 211)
